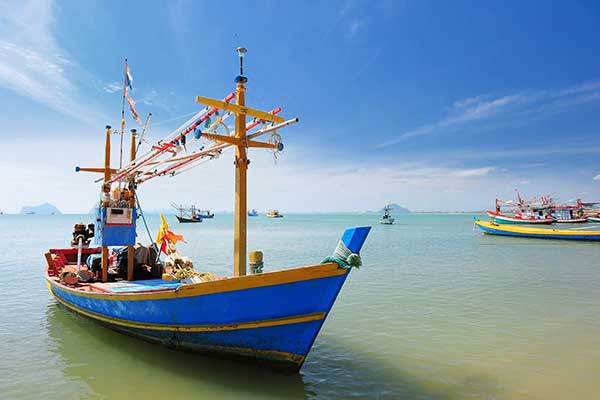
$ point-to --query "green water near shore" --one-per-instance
(436, 312)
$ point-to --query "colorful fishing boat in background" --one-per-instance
(539, 233)
(535, 211)
(253, 213)
(569, 214)
(592, 211)
(274, 214)
(271, 317)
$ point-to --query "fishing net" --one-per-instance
(344, 257)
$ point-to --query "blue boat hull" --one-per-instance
(244, 322)
(272, 318)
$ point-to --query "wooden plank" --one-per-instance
(98, 170)
(262, 145)
(224, 139)
(239, 109)
(50, 262)
(238, 141)
(104, 263)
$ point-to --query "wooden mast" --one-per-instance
(106, 195)
(130, 249)
(241, 195)
(241, 143)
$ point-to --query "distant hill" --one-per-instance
(42, 209)
(397, 209)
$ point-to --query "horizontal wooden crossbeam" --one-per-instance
(238, 141)
(223, 105)
(98, 170)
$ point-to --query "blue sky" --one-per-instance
(433, 105)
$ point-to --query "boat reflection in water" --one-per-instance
(95, 356)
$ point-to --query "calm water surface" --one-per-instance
(436, 312)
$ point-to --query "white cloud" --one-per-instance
(465, 173)
(32, 64)
(113, 87)
(596, 178)
(523, 103)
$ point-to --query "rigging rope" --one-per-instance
(137, 200)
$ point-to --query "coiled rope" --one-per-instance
(344, 257)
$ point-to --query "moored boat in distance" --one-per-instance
(592, 211)
(539, 233)
(253, 213)
(274, 214)
(205, 214)
(519, 219)
(271, 318)
(186, 214)
(569, 214)
(387, 219)
(535, 211)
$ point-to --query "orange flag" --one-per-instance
(165, 236)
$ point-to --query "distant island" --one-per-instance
(42, 209)
(396, 209)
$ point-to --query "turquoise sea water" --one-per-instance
(436, 312)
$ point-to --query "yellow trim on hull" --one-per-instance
(191, 328)
(536, 231)
(225, 285)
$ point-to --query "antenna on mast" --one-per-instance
(241, 51)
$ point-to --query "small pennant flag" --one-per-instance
(134, 112)
(128, 77)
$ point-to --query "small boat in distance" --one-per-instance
(186, 214)
(387, 219)
(253, 213)
(274, 214)
(205, 214)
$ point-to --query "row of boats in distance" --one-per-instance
(192, 214)
(544, 211)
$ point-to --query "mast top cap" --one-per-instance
(241, 51)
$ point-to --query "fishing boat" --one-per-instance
(253, 213)
(593, 219)
(205, 214)
(386, 219)
(535, 212)
(274, 214)
(569, 214)
(266, 317)
(187, 215)
(493, 228)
